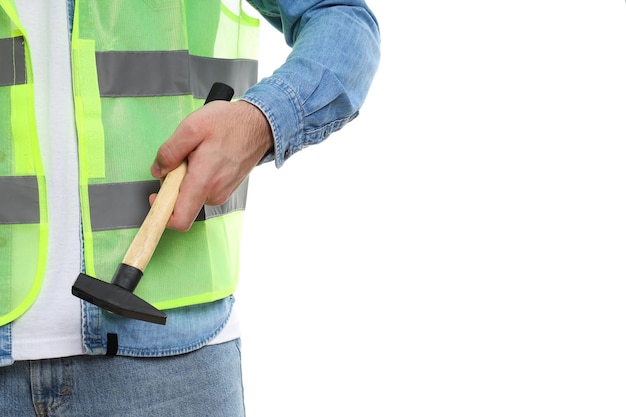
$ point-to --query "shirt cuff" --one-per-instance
(280, 105)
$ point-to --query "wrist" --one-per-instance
(258, 127)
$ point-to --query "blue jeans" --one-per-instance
(206, 382)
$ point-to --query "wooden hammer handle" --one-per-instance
(147, 238)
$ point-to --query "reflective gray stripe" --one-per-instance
(125, 205)
(120, 205)
(12, 61)
(19, 201)
(169, 73)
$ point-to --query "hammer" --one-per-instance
(117, 296)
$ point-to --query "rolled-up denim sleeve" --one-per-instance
(326, 77)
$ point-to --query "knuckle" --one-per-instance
(180, 225)
(216, 199)
(166, 154)
(215, 193)
(189, 128)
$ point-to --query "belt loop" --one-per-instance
(111, 344)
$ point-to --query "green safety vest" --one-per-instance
(138, 68)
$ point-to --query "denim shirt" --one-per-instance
(319, 89)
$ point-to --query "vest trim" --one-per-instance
(169, 73)
(116, 206)
(12, 61)
(20, 200)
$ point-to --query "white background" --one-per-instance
(460, 248)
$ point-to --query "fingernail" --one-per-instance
(156, 171)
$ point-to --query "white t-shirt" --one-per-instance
(51, 328)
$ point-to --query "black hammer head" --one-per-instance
(116, 299)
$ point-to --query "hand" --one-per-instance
(222, 142)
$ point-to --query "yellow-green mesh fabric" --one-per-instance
(134, 128)
(178, 273)
(202, 264)
(215, 29)
(237, 35)
(23, 247)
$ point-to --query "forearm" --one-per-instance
(325, 79)
(316, 92)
